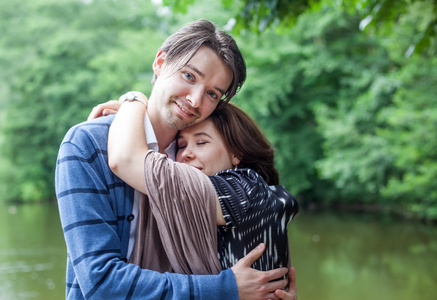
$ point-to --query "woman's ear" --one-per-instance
(158, 63)
(235, 160)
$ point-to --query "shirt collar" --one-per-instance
(152, 141)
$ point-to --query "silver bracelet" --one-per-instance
(131, 96)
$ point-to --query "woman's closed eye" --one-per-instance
(182, 144)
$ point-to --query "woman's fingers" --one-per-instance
(104, 109)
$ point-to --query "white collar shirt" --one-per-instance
(152, 143)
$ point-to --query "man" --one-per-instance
(194, 69)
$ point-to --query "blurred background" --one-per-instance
(345, 90)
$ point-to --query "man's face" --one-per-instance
(190, 95)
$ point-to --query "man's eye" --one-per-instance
(189, 76)
(213, 95)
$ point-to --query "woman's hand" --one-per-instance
(291, 292)
(112, 106)
(104, 109)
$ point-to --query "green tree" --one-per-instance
(63, 59)
(380, 15)
(378, 147)
(325, 61)
(350, 111)
(58, 60)
(410, 132)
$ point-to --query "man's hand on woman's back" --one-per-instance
(253, 284)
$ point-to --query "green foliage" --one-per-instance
(411, 128)
(379, 15)
(350, 111)
(329, 97)
(179, 6)
(258, 15)
(295, 78)
(63, 60)
(355, 158)
(378, 147)
(58, 60)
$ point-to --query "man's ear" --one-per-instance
(158, 63)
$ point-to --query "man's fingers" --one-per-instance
(272, 296)
(284, 295)
(291, 292)
(292, 278)
(276, 274)
(281, 294)
(254, 284)
(253, 255)
(276, 285)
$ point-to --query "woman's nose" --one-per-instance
(187, 154)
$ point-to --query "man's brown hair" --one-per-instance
(181, 46)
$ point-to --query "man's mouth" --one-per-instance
(184, 110)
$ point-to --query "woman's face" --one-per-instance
(201, 146)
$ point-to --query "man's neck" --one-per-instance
(164, 133)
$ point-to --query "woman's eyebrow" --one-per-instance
(202, 133)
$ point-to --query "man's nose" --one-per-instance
(195, 97)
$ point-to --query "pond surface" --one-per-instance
(32, 253)
(337, 256)
(361, 256)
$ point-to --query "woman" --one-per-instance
(240, 194)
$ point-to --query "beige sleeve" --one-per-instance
(183, 201)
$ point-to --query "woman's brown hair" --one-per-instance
(246, 141)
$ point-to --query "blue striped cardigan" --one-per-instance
(94, 207)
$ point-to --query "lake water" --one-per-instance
(32, 253)
(337, 256)
(360, 256)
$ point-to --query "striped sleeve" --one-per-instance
(94, 205)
